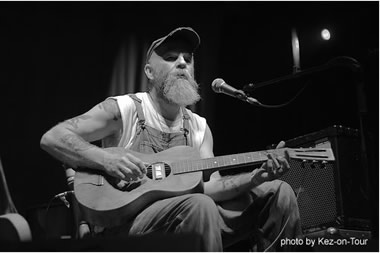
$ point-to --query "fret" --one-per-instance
(183, 166)
(203, 164)
(188, 166)
(262, 156)
(222, 161)
(199, 165)
(191, 166)
(216, 162)
(178, 167)
(233, 159)
(227, 161)
(257, 156)
(245, 158)
(248, 157)
(240, 159)
(209, 163)
(194, 165)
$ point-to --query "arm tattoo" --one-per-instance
(110, 106)
(74, 121)
(229, 183)
(75, 142)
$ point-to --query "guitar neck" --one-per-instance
(223, 162)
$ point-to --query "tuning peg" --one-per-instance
(313, 164)
(323, 164)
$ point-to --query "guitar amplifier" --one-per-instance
(328, 194)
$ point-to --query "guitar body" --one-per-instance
(14, 228)
(103, 204)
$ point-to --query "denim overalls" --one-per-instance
(149, 140)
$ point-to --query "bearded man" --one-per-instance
(227, 209)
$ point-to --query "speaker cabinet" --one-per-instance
(329, 194)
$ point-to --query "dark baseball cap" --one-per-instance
(186, 34)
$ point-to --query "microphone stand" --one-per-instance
(341, 61)
(355, 67)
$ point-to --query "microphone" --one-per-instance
(220, 86)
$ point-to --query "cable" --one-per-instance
(287, 220)
(62, 197)
(258, 103)
(282, 230)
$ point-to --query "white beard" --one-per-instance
(178, 88)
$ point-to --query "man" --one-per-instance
(250, 205)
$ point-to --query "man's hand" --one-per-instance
(123, 165)
(273, 168)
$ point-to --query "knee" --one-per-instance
(201, 205)
(286, 197)
(286, 190)
(202, 202)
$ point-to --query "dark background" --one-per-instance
(57, 58)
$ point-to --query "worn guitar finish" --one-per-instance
(108, 202)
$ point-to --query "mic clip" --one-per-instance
(62, 197)
(242, 96)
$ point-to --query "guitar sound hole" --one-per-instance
(158, 171)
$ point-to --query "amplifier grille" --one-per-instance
(317, 198)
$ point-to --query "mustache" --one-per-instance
(182, 74)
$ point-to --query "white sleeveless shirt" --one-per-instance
(153, 119)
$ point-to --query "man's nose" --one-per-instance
(181, 62)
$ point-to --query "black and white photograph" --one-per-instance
(179, 126)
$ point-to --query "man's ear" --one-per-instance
(148, 71)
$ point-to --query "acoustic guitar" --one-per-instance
(106, 201)
(13, 226)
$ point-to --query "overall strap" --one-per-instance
(139, 110)
(186, 126)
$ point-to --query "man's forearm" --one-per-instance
(71, 149)
(229, 187)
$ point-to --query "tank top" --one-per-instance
(144, 129)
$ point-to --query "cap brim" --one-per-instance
(186, 34)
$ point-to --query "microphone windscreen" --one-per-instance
(217, 84)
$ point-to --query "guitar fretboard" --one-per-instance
(222, 162)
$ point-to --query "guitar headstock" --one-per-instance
(315, 154)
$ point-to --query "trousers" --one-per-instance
(273, 213)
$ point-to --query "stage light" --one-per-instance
(325, 34)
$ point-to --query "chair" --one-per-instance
(82, 226)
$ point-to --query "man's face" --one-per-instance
(172, 67)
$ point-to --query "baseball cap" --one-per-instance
(183, 33)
